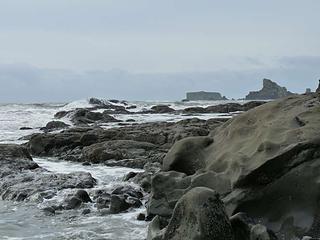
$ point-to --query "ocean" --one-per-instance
(25, 220)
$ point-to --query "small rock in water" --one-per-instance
(25, 128)
(130, 120)
(86, 164)
(103, 203)
(86, 211)
(49, 210)
(118, 204)
(130, 175)
(141, 217)
(83, 196)
(128, 190)
(134, 202)
(73, 203)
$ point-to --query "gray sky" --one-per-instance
(56, 50)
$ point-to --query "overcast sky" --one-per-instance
(58, 50)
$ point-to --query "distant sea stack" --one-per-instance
(270, 90)
(318, 89)
(206, 96)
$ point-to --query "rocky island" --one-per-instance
(270, 90)
(204, 96)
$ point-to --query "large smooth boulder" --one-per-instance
(199, 214)
(187, 155)
(269, 135)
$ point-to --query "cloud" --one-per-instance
(25, 83)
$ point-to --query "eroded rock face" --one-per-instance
(264, 163)
(199, 214)
(187, 155)
(270, 90)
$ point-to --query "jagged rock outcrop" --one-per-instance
(206, 96)
(268, 161)
(270, 90)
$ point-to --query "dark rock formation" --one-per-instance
(84, 116)
(25, 128)
(318, 89)
(110, 104)
(270, 90)
(206, 96)
(162, 109)
(117, 150)
(54, 125)
(118, 204)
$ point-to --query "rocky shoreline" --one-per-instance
(240, 178)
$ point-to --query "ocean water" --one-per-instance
(22, 220)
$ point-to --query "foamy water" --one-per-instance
(26, 220)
